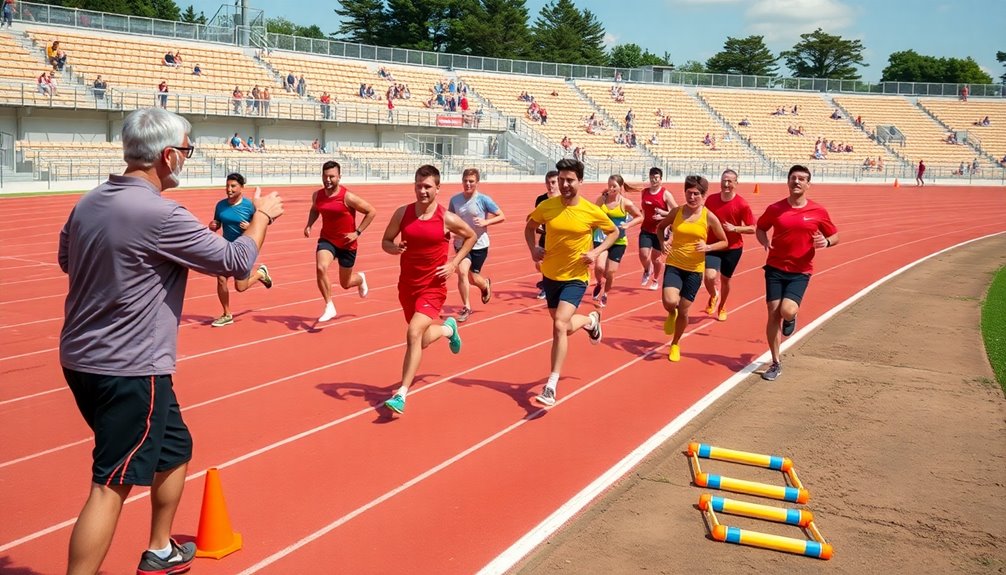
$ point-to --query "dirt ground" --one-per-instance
(894, 422)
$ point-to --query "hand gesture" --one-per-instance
(401, 246)
(244, 225)
(214, 225)
(351, 236)
(479, 222)
(701, 246)
(271, 204)
(820, 242)
(665, 248)
(588, 257)
(307, 232)
(728, 227)
(446, 270)
(537, 253)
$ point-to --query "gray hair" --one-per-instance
(146, 132)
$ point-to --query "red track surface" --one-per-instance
(317, 478)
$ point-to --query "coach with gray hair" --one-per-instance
(127, 251)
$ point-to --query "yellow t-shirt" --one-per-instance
(684, 236)
(568, 236)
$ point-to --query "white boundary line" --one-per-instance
(532, 539)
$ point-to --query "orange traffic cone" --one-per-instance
(756, 190)
(215, 538)
(896, 184)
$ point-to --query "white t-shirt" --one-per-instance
(479, 206)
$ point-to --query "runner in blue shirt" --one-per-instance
(233, 215)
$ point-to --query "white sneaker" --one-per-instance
(329, 312)
(363, 288)
(654, 286)
(646, 279)
(546, 397)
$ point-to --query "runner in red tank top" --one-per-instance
(656, 202)
(425, 228)
(339, 232)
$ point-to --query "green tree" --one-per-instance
(1001, 57)
(425, 24)
(363, 21)
(190, 16)
(822, 55)
(633, 56)
(910, 66)
(284, 26)
(562, 33)
(691, 66)
(744, 56)
(493, 28)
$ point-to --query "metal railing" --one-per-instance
(59, 16)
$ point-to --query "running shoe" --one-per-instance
(788, 327)
(264, 276)
(487, 294)
(723, 315)
(463, 314)
(711, 307)
(595, 332)
(675, 354)
(396, 403)
(654, 286)
(223, 320)
(546, 397)
(772, 373)
(672, 318)
(603, 302)
(179, 561)
(454, 341)
(363, 288)
(329, 312)
(597, 291)
(541, 294)
(646, 278)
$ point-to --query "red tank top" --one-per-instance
(651, 202)
(425, 250)
(337, 219)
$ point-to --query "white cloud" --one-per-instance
(782, 21)
(610, 39)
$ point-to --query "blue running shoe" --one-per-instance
(396, 404)
(455, 340)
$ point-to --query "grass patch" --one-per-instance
(994, 325)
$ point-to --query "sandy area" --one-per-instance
(892, 417)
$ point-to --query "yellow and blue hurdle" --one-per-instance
(816, 547)
(794, 493)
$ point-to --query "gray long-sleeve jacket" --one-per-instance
(127, 251)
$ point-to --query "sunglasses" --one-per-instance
(187, 150)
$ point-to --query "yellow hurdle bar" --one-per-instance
(798, 517)
(808, 548)
(706, 451)
(782, 492)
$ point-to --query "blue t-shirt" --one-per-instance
(478, 207)
(230, 217)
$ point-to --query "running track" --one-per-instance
(318, 478)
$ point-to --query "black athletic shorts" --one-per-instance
(724, 261)
(346, 258)
(568, 291)
(648, 240)
(478, 259)
(788, 285)
(615, 252)
(138, 427)
(687, 283)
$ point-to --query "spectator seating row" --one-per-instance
(18, 65)
(924, 138)
(962, 116)
(83, 160)
(768, 132)
(690, 122)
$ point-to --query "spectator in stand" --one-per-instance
(169, 60)
(859, 121)
(974, 166)
(630, 117)
(744, 122)
(794, 110)
(836, 115)
(261, 145)
(326, 105)
(197, 71)
(162, 93)
(880, 164)
(653, 139)
(56, 57)
(256, 96)
(250, 144)
(302, 87)
(237, 99)
(391, 111)
(576, 153)
(463, 103)
(99, 88)
(964, 94)
(237, 143)
(266, 99)
(290, 82)
(316, 146)
(566, 143)
(1003, 161)
(46, 85)
(8, 14)
(708, 140)
(544, 115)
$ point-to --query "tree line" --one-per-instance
(563, 33)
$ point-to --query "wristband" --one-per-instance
(358, 232)
(268, 216)
(828, 242)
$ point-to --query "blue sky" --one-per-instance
(696, 29)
